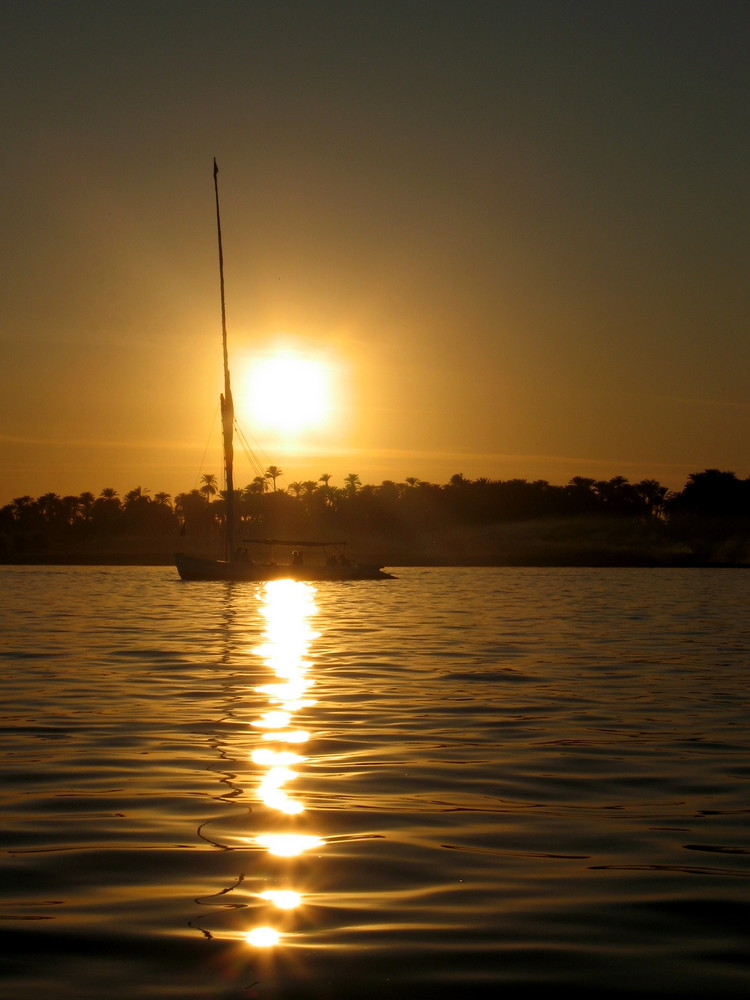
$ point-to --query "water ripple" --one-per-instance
(466, 779)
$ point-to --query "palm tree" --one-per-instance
(273, 472)
(163, 499)
(137, 496)
(653, 495)
(193, 513)
(107, 507)
(352, 482)
(181, 501)
(325, 478)
(24, 509)
(110, 494)
(412, 481)
(86, 503)
(50, 506)
(713, 493)
(581, 483)
(189, 504)
(71, 507)
(210, 487)
(295, 489)
(388, 490)
(580, 495)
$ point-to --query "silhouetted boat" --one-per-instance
(238, 563)
(244, 567)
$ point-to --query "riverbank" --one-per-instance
(572, 560)
(543, 542)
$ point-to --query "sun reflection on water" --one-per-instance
(296, 736)
(273, 794)
(273, 720)
(287, 607)
(288, 845)
(262, 937)
(284, 899)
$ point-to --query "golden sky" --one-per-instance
(516, 231)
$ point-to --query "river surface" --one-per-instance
(454, 783)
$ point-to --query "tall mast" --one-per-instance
(227, 404)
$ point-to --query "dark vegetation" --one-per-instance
(472, 522)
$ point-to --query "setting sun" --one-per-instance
(288, 393)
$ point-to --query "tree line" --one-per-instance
(712, 509)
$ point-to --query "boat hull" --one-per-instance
(198, 568)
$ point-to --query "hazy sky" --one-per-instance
(519, 231)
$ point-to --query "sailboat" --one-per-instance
(307, 560)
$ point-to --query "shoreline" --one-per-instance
(582, 561)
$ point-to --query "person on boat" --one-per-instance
(297, 558)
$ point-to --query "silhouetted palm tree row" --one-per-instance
(53, 509)
(708, 494)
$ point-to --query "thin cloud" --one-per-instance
(96, 444)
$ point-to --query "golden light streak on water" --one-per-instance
(287, 606)
(284, 899)
(288, 845)
(295, 706)
(272, 793)
(289, 691)
(273, 720)
(290, 736)
(282, 802)
(263, 937)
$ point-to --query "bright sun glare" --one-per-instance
(288, 393)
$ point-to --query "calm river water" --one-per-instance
(463, 780)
